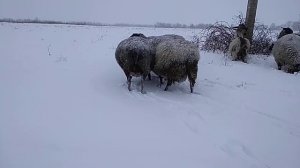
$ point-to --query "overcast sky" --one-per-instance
(149, 11)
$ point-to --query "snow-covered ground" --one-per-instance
(64, 103)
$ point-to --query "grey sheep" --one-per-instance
(134, 57)
(176, 60)
(238, 48)
(155, 40)
(286, 51)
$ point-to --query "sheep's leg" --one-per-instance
(160, 81)
(192, 75)
(168, 84)
(192, 83)
(149, 76)
(297, 67)
(143, 78)
(129, 82)
(289, 69)
(279, 66)
(191, 87)
(244, 59)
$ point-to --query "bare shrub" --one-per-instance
(262, 39)
(219, 35)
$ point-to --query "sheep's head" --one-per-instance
(241, 30)
(138, 35)
(284, 32)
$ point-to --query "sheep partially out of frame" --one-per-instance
(286, 51)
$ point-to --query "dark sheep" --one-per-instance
(133, 56)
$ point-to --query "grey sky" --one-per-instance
(149, 11)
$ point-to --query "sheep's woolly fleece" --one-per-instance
(134, 43)
(234, 47)
(172, 51)
(141, 47)
(154, 41)
(286, 50)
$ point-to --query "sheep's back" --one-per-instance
(140, 47)
(155, 40)
(173, 57)
(286, 50)
(169, 52)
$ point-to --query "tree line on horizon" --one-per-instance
(295, 25)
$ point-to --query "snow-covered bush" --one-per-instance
(219, 35)
(261, 40)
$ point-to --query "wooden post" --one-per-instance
(250, 18)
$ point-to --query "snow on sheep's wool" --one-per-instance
(286, 51)
(238, 49)
(133, 56)
(176, 60)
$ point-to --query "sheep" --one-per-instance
(138, 35)
(238, 49)
(176, 60)
(134, 57)
(286, 51)
(239, 46)
(155, 40)
(285, 31)
(241, 30)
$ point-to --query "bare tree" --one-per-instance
(250, 17)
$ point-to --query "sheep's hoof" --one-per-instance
(143, 92)
(149, 77)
